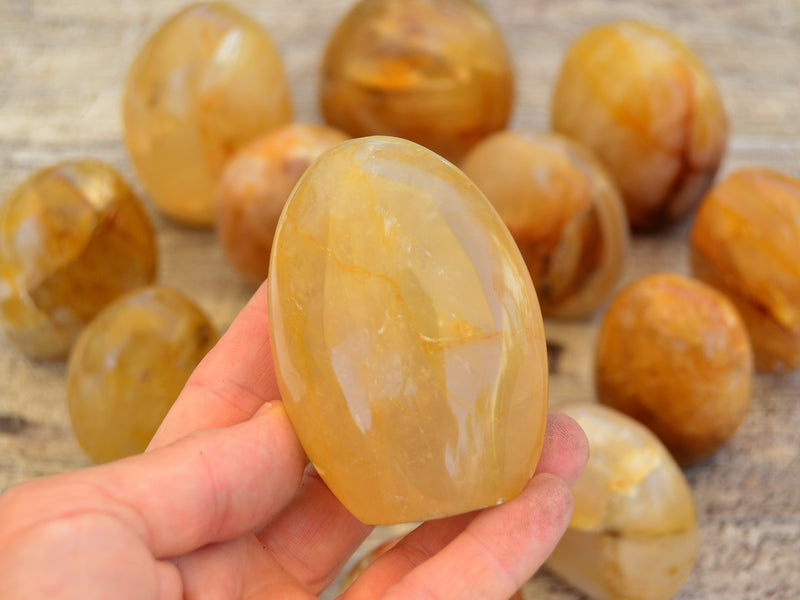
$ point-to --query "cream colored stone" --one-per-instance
(407, 335)
(633, 534)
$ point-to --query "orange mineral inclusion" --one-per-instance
(407, 335)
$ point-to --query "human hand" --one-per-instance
(222, 505)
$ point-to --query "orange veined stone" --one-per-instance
(437, 73)
(407, 335)
(209, 81)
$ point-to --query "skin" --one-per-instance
(222, 505)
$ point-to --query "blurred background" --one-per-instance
(62, 69)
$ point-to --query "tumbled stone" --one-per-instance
(128, 367)
(673, 353)
(633, 532)
(407, 335)
(564, 211)
(255, 186)
(73, 237)
(745, 241)
(650, 110)
(437, 73)
(205, 84)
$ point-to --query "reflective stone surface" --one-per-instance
(633, 534)
(650, 110)
(407, 335)
(745, 241)
(674, 354)
(436, 72)
(206, 83)
(563, 210)
(256, 184)
(128, 367)
(72, 238)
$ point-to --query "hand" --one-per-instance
(222, 505)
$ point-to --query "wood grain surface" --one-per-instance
(62, 68)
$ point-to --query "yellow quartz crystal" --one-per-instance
(207, 83)
(407, 335)
(633, 534)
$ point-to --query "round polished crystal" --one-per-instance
(72, 238)
(564, 212)
(407, 335)
(208, 82)
(128, 367)
(674, 354)
(436, 72)
(745, 241)
(633, 532)
(651, 112)
(256, 184)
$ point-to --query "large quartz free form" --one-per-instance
(407, 335)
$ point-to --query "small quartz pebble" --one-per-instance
(633, 533)
(644, 103)
(208, 82)
(255, 186)
(564, 211)
(745, 241)
(128, 367)
(73, 237)
(673, 353)
(407, 335)
(437, 73)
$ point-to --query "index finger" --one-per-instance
(232, 382)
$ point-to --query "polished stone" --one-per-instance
(674, 354)
(745, 241)
(208, 81)
(255, 186)
(128, 367)
(73, 237)
(650, 110)
(407, 335)
(564, 211)
(434, 72)
(633, 533)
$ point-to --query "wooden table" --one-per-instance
(62, 67)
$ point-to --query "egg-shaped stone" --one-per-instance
(73, 237)
(208, 82)
(633, 533)
(434, 72)
(128, 367)
(407, 335)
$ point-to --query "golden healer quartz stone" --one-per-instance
(650, 110)
(633, 533)
(255, 185)
(407, 335)
(436, 72)
(564, 212)
(73, 237)
(128, 367)
(674, 354)
(209, 81)
(745, 241)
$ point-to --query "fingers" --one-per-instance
(565, 450)
(315, 535)
(211, 486)
(499, 550)
(536, 520)
(231, 382)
